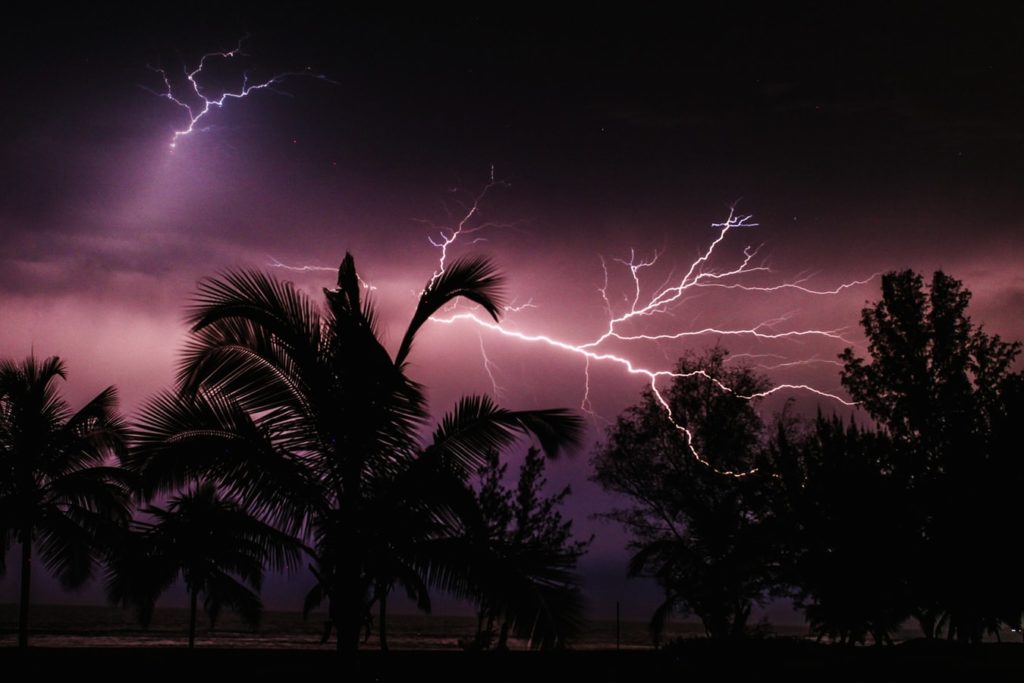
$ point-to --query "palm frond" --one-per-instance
(221, 590)
(661, 616)
(35, 409)
(96, 430)
(67, 546)
(416, 589)
(313, 599)
(137, 574)
(105, 491)
(659, 552)
(184, 438)
(452, 565)
(268, 545)
(30, 373)
(276, 308)
(534, 588)
(345, 301)
(473, 278)
(477, 426)
(353, 320)
(241, 358)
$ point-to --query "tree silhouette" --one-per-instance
(945, 392)
(56, 488)
(212, 544)
(524, 577)
(842, 517)
(703, 536)
(304, 417)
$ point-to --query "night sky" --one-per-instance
(860, 141)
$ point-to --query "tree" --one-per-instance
(525, 579)
(303, 416)
(841, 514)
(56, 488)
(212, 544)
(945, 392)
(702, 535)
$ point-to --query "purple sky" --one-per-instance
(859, 143)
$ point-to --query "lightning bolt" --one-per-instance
(464, 225)
(198, 103)
(640, 308)
(274, 263)
(490, 369)
(514, 308)
(698, 275)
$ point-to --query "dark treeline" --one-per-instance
(912, 514)
(291, 439)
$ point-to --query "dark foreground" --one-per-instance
(755, 660)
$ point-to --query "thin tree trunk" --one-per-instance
(192, 619)
(489, 632)
(349, 627)
(350, 614)
(503, 638)
(926, 621)
(26, 586)
(480, 627)
(383, 626)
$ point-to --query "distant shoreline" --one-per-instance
(108, 627)
(72, 626)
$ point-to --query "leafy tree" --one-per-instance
(304, 417)
(704, 536)
(215, 546)
(945, 392)
(56, 488)
(524, 578)
(842, 517)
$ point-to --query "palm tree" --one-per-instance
(214, 545)
(56, 489)
(303, 416)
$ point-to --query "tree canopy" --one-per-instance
(215, 547)
(840, 517)
(702, 535)
(526, 583)
(946, 393)
(60, 487)
(303, 416)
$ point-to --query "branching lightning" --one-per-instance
(447, 236)
(490, 369)
(620, 328)
(517, 308)
(698, 275)
(198, 103)
(796, 363)
(274, 263)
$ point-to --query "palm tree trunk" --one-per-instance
(348, 611)
(926, 620)
(349, 628)
(26, 585)
(192, 619)
(480, 627)
(490, 626)
(503, 638)
(383, 626)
